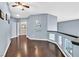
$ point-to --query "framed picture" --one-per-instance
(8, 21)
(6, 16)
(1, 15)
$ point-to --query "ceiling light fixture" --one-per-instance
(18, 15)
(20, 5)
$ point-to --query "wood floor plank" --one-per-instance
(32, 48)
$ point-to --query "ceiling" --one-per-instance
(63, 10)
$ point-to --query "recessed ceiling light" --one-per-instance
(18, 15)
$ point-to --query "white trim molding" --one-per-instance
(36, 38)
(6, 48)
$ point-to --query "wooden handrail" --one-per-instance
(68, 34)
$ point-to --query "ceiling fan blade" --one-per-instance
(26, 6)
(18, 3)
(14, 5)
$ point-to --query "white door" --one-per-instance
(22, 28)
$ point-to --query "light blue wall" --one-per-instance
(51, 22)
(4, 36)
(47, 22)
(4, 7)
(13, 29)
(70, 27)
(34, 30)
(75, 51)
(4, 30)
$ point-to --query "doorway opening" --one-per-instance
(22, 28)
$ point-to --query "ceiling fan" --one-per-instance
(20, 4)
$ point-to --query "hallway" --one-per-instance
(43, 29)
(32, 48)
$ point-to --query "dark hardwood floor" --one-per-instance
(32, 48)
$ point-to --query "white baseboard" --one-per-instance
(37, 39)
(6, 48)
(14, 36)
